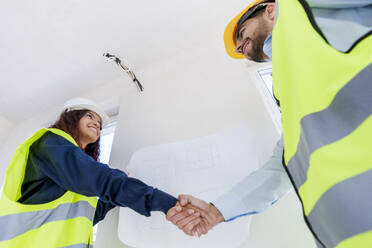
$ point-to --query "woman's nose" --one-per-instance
(97, 123)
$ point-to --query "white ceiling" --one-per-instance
(52, 50)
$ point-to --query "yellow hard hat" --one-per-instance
(229, 35)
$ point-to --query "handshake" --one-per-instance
(193, 216)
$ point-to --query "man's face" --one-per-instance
(251, 39)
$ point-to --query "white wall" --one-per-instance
(5, 127)
(207, 76)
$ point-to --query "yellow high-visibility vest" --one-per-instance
(64, 222)
(326, 102)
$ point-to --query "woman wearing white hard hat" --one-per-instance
(49, 197)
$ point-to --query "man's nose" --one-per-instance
(238, 48)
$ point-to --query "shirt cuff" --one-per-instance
(162, 201)
(231, 206)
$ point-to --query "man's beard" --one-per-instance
(258, 54)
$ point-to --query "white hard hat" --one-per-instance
(83, 103)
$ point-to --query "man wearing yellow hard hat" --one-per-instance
(322, 70)
(248, 35)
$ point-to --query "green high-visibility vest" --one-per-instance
(64, 222)
(326, 102)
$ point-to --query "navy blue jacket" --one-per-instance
(55, 165)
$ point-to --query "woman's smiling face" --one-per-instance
(90, 128)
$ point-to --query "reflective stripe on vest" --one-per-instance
(78, 246)
(20, 223)
(339, 206)
(64, 222)
(334, 123)
(326, 103)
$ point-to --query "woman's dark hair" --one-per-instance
(69, 122)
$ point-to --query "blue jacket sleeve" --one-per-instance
(101, 211)
(70, 168)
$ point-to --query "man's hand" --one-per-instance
(181, 215)
(185, 218)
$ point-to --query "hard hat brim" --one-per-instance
(82, 104)
(104, 117)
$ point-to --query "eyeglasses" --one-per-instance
(246, 16)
